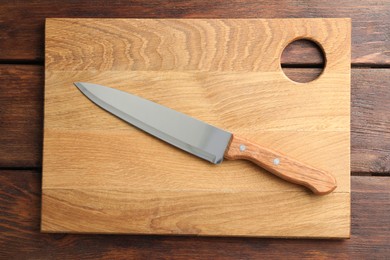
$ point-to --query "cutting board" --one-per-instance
(101, 175)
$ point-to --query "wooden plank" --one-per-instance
(20, 238)
(22, 33)
(21, 112)
(371, 121)
(309, 122)
(21, 131)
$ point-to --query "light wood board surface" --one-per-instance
(102, 175)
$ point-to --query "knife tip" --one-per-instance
(77, 84)
(80, 85)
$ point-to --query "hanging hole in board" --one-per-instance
(303, 61)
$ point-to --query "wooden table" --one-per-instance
(21, 112)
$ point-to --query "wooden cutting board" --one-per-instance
(101, 175)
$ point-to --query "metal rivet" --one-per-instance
(276, 161)
(242, 148)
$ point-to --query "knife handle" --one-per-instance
(320, 182)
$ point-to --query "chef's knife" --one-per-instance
(201, 139)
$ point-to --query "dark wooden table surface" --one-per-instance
(21, 117)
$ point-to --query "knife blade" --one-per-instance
(201, 139)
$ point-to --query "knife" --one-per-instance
(203, 140)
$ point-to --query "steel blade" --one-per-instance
(187, 133)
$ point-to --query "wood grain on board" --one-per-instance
(22, 22)
(20, 197)
(103, 172)
(21, 133)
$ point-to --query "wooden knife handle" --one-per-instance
(320, 182)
